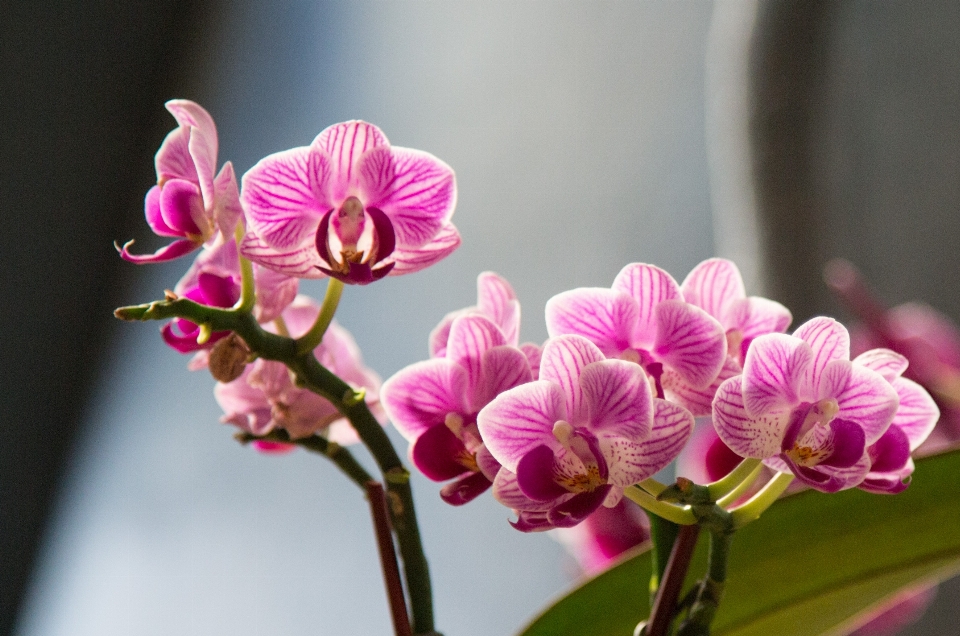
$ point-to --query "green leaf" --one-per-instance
(809, 565)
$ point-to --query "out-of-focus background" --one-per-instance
(585, 135)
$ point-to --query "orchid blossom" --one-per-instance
(604, 535)
(803, 407)
(349, 206)
(188, 201)
(496, 301)
(434, 405)
(575, 438)
(644, 318)
(916, 416)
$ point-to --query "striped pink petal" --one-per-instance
(828, 339)
(759, 437)
(285, 196)
(227, 211)
(712, 285)
(562, 363)
(408, 261)
(698, 401)
(617, 396)
(301, 262)
(868, 400)
(521, 419)
(417, 191)
(497, 300)
(773, 372)
(173, 159)
(917, 414)
(605, 317)
(690, 341)
(755, 316)
(502, 368)
(648, 286)
(888, 364)
(471, 336)
(631, 461)
(422, 394)
(202, 144)
(344, 144)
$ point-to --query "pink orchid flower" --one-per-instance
(188, 201)
(497, 302)
(645, 319)
(916, 416)
(716, 286)
(434, 405)
(265, 396)
(349, 206)
(803, 407)
(574, 439)
(214, 280)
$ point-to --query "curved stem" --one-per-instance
(309, 341)
(742, 487)
(248, 296)
(751, 511)
(652, 486)
(734, 479)
(317, 378)
(336, 453)
(681, 516)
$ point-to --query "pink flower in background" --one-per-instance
(706, 458)
(715, 286)
(434, 404)
(902, 609)
(916, 416)
(349, 206)
(926, 337)
(605, 535)
(265, 396)
(575, 438)
(497, 302)
(214, 280)
(805, 408)
(188, 202)
(644, 319)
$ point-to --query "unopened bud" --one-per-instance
(228, 358)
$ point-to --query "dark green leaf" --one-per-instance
(810, 564)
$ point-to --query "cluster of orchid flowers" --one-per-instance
(561, 431)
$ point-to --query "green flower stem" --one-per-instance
(663, 534)
(248, 296)
(340, 456)
(734, 494)
(709, 591)
(676, 514)
(309, 341)
(652, 486)
(315, 377)
(745, 472)
(751, 511)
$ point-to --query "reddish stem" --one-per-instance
(664, 606)
(388, 559)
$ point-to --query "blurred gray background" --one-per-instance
(585, 135)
